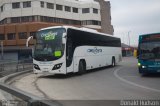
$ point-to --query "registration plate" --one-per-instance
(45, 70)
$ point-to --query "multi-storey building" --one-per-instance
(20, 19)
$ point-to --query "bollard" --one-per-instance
(2, 67)
(17, 67)
(23, 66)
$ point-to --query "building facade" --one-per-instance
(105, 11)
(20, 19)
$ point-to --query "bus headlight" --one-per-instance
(57, 66)
(143, 66)
(139, 64)
(36, 67)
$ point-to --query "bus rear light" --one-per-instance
(36, 67)
(57, 66)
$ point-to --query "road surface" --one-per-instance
(118, 83)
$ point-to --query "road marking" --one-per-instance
(132, 83)
(130, 76)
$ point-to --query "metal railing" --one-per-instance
(9, 67)
(14, 68)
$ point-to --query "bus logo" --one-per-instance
(49, 36)
(95, 50)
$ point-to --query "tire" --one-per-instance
(81, 68)
(113, 62)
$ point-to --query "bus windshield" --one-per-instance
(49, 45)
(150, 50)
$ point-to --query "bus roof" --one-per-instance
(80, 29)
(149, 34)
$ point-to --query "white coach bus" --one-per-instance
(65, 49)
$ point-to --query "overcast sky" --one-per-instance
(136, 17)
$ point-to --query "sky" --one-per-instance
(135, 17)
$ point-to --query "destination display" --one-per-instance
(151, 38)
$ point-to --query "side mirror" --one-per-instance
(64, 38)
(27, 42)
(32, 52)
(64, 35)
(137, 57)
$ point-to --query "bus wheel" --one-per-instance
(113, 62)
(81, 67)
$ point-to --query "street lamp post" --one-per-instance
(129, 42)
(129, 38)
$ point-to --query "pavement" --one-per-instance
(1, 95)
(9, 70)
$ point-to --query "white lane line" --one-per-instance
(130, 76)
(132, 83)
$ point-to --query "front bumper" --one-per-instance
(149, 70)
(49, 72)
